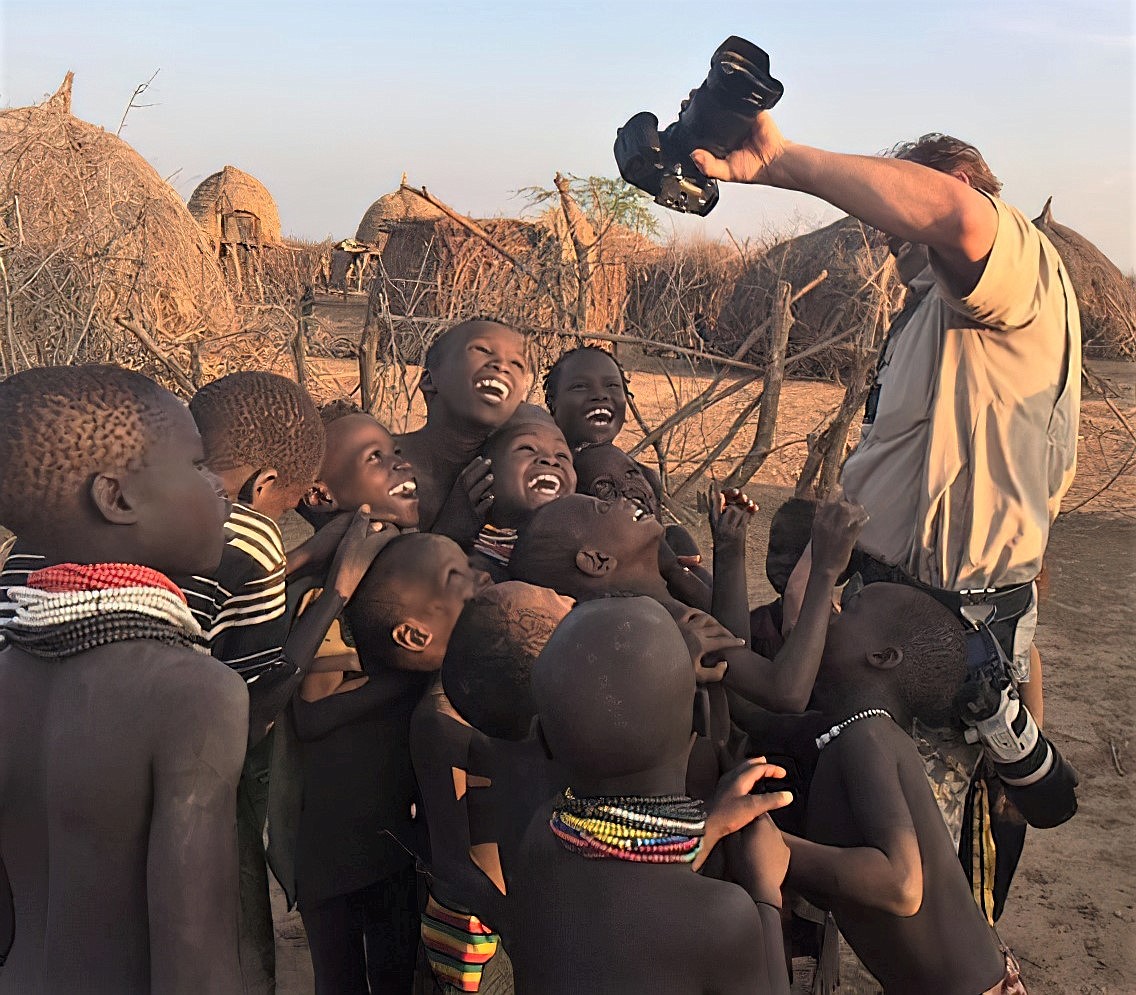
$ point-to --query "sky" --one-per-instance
(329, 105)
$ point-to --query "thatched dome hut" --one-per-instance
(234, 208)
(849, 251)
(399, 206)
(92, 233)
(1107, 299)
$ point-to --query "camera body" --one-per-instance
(717, 117)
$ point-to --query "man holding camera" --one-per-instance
(969, 441)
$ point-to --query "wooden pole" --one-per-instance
(765, 434)
(175, 371)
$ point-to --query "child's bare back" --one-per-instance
(870, 788)
(666, 928)
(96, 746)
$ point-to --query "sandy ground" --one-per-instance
(1071, 917)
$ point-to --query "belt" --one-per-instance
(1007, 602)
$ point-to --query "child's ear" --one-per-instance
(887, 658)
(111, 501)
(412, 636)
(426, 384)
(262, 485)
(595, 562)
(318, 498)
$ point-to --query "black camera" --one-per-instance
(717, 117)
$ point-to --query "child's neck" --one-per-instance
(842, 702)
(666, 779)
(450, 438)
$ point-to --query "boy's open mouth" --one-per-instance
(546, 484)
(599, 416)
(407, 489)
(492, 390)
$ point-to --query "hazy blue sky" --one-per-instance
(328, 105)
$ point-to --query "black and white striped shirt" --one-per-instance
(241, 608)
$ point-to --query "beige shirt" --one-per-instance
(975, 438)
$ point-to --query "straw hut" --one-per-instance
(850, 253)
(234, 208)
(92, 233)
(397, 207)
(1106, 298)
(676, 293)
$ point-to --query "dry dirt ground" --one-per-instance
(1071, 917)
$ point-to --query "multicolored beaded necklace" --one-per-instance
(496, 543)
(74, 607)
(660, 829)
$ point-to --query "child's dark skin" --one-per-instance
(591, 401)
(363, 465)
(476, 386)
(349, 813)
(155, 865)
(617, 551)
(879, 854)
(610, 926)
(532, 467)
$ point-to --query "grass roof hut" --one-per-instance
(398, 207)
(852, 254)
(1106, 297)
(89, 232)
(234, 208)
(526, 271)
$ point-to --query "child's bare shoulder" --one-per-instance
(199, 685)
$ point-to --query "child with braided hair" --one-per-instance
(113, 717)
(588, 391)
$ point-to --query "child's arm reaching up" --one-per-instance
(886, 873)
(785, 683)
(730, 514)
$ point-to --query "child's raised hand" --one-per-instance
(734, 806)
(477, 481)
(730, 513)
(361, 543)
(320, 548)
(705, 637)
(836, 527)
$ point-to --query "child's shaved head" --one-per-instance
(60, 426)
(405, 607)
(488, 666)
(614, 688)
(259, 420)
(883, 619)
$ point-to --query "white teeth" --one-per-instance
(406, 489)
(639, 513)
(546, 483)
(602, 415)
(498, 388)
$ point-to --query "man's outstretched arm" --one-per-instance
(905, 199)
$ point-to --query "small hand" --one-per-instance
(361, 543)
(705, 638)
(734, 807)
(320, 548)
(750, 162)
(477, 481)
(731, 511)
(836, 527)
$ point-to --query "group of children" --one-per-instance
(503, 728)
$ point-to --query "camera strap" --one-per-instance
(910, 306)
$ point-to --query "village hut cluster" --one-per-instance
(102, 260)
